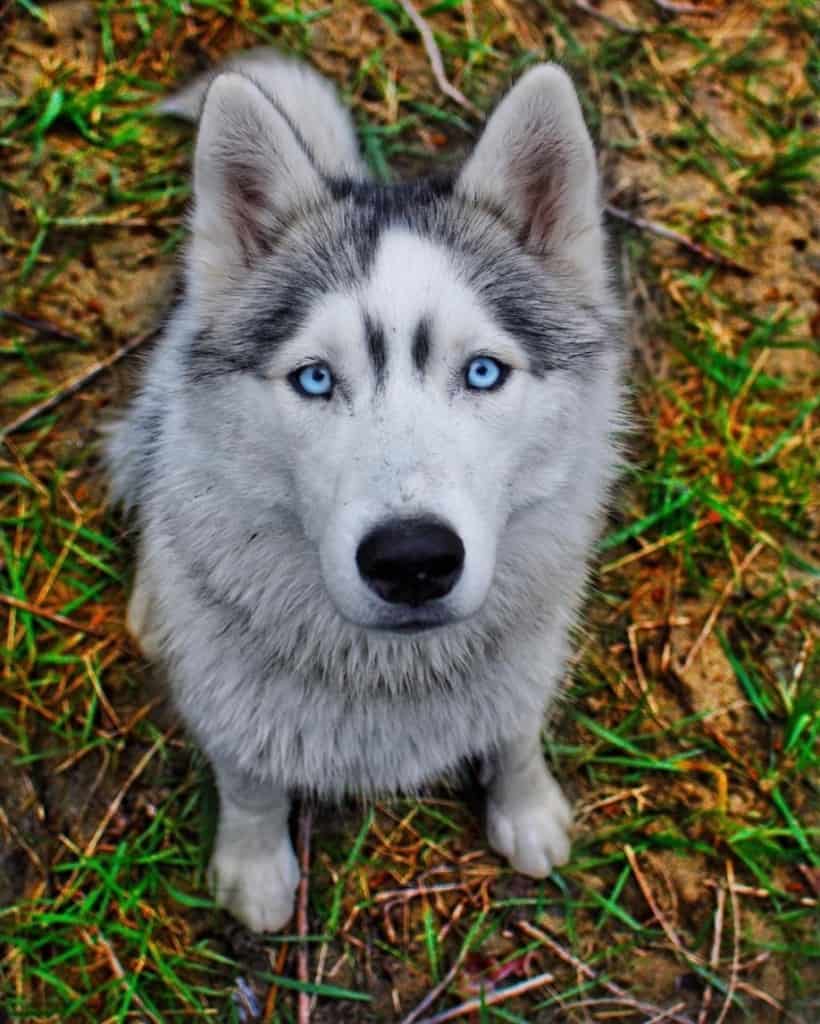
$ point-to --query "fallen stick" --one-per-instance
(730, 991)
(662, 231)
(436, 61)
(40, 326)
(120, 972)
(433, 994)
(490, 999)
(718, 606)
(675, 8)
(44, 613)
(607, 19)
(305, 826)
(621, 994)
(85, 378)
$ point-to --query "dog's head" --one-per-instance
(411, 372)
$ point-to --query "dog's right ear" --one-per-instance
(251, 172)
(535, 163)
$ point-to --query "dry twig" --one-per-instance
(40, 326)
(114, 806)
(734, 982)
(668, 930)
(650, 549)
(119, 971)
(434, 992)
(305, 827)
(85, 378)
(643, 686)
(44, 613)
(583, 1004)
(436, 61)
(714, 958)
(661, 231)
(607, 19)
(620, 994)
(490, 999)
(717, 608)
(730, 991)
(674, 8)
(273, 991)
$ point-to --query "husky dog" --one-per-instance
(368, 460)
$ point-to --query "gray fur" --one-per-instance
(308, 100)
(249, 501)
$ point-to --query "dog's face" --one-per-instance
(412, 424)
(411, 367)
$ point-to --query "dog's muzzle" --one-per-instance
(411, 561)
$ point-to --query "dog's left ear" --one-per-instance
(535, 163)
(252, 171)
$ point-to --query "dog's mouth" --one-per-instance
(412, 626)
(415, 626)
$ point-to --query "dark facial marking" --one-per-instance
(374, 335)
(392, 201)
(333, 247)
(421, 345)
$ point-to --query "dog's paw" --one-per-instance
(254, 881)
(531, 829)
(138, 620)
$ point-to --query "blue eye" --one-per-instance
(485, 374)
(313, 381)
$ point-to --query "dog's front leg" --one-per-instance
(253, 870)
(141, 616)
(528, 817)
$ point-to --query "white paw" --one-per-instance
(254, 880)
(530, 829)
(138, 619)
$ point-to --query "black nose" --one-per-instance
(411, 561)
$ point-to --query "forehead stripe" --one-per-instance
(333, 249)
(374, 336)
(421, 345)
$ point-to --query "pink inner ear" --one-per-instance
(536, 162)
(245, 183)
(247, 200)
(251, 170)
(542, 189)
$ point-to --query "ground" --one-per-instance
(688, 736)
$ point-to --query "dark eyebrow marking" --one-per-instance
(374, 335)
(421, 344)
